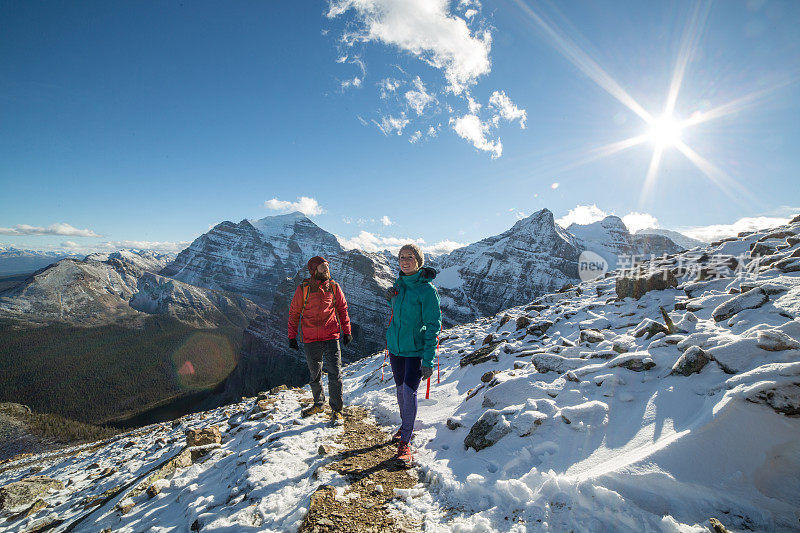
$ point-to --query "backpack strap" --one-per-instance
(306, 290)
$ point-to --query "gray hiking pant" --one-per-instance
(329, 352)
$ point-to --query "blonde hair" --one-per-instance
(414, 249)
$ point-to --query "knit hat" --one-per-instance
(314, 262)
(414, 249)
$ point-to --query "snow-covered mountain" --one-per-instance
(579, 411)
(19, 261)
(535, 256)
(611, 239)
(678, 238)
(117, 288)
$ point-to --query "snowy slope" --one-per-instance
(581, 411)
(678, 238)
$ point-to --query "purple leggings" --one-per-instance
(407, 372)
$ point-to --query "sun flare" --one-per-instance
(665, 131)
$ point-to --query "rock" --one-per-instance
(790, 264)
(763, 248)
(591, 335)
(780, 234)
(795, 220)
(195, 525)
(783, 398)
(566, 287)
(649, 328)
(453, 425)
(14, 409)
(717, 526)
(153, 490)
(266, 404)
(489, 376)
(201, 437)
(22, 494)
(125, 506)
(327, 449)
(483, 354)
(776, 341)
(490, 428)
(634, 363)
(748, 300)
(619, 348)
(636, 286)
(275, 390)
(547, 362)
(504, 321)
(540, 328)
(691, 362)
(488, 339)
(523, 322)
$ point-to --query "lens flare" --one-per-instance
(665, 131)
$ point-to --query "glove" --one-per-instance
(347, 339)
(293, 344)
(391, 292)
(427, 372)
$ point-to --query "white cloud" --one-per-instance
(471, 128)
(469, 13)
(555, 185)
(638, 221)
(53, 229)
(431, 131)
(720, 231)
(582, 214)
(390, 124)
(361, 120)
(419, 98)
(474, 106)
(389, 86)
(355, 82)
(416, 136)
(425, 29)
(372, 242)
(307, 206)
(386, 221)
(507, 109)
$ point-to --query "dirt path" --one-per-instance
(367, 460)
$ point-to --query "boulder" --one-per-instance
(540, 328)
(453, 424)
(488, 339)
(782, 398)
(633, 362)
(490, 428)
(763, 248)
(591, 335)
(482, 354)
(548, 362)
(22, 494)
(638, 285)
(649, 328)
(489, 376)
(523, 322)
(751, 299)
(504, 321)
(691, 362)
(204, 436)
(776, 341)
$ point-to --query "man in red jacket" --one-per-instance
(319, 307)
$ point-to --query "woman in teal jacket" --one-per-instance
(411, 337)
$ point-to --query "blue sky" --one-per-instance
(142, 124)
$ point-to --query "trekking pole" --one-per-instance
(428, 390)
(438, 367)
(383, 363)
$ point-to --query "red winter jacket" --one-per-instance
(320, 314)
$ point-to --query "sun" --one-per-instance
(664, 131)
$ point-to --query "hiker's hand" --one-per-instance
(346, 339)
(427, 372)
(391, 292)
(293, 344)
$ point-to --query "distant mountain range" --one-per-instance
(17, 261)
(242, 275)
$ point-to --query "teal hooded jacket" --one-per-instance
(416, 317)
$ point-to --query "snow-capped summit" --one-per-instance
(678, 238)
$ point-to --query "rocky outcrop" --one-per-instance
(636, 285)
(20, 495)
